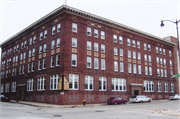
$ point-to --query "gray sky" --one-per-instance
(142, 15)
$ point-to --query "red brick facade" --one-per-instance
(66, 16)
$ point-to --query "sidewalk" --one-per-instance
(170, 112)
(37, 104)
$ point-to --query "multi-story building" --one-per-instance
(70, 55)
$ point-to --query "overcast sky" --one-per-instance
(142, 15)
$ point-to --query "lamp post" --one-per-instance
(176, 22)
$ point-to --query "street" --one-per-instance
(155, 110)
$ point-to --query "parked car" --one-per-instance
(140, 98)
(116, 100)
(174, 97)
(4, 98)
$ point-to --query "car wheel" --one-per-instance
(115, 103)
(125, 102)
(149, 100)
(141, 101)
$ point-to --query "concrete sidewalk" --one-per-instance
(38, 104)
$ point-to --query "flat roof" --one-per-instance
(65, 8)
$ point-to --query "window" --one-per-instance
(134, 55)
(89, 45)
(171, 73)
(120, 40)
(58, 43)
(164, 52)
(157, 59)
(129, 54)
(19, 70)
(58, 60)
(52, 44)
(96, 47)
(74, 60)
(29, 67)
(170, 54)
(116, 66)
(74, 42)
(138, 44)
(158, 72)
(2, 88)
(22, 44)
(52, 61)
(118, 84)
(96, 63)
(39, 64)
(30, 85)
(95, 33)
(103, 64)
(115, 51)
(73, 81)
(102, 35)
(53, 30)
(134, 69)
(34, 39)
(149, 47)
(102, 83)
(7, 86)
(88, 31)
(159, 87)
(121, 67)
(166, 87)
(16, 58)
(121, 52)
(170, 62)
(150, 71)
(32, 66)
(145, 57)
(33, 52)
(21, 55)
(162, 73)
(40, 49)
(145, 46)
(129, 68)
(102, 48)
(59, 27)
(89, 62)
(139, 56)
(128, 42)
(150, 58)
(157, 50)
(139, 69)
(44, 48)
(30, 41)
(44, 63)
(74, 27)
(165, 73)
(41, 83)
(146, 70)
(89, 83)
(172, 87)
(115, 38)
(24, 55)
(160, 50)
(41, 35)
(133, 43)
(17, 46)
(13, 86)
(148, 86)
(25, 43)
(54, 79)
(164, 61)
(45, 34)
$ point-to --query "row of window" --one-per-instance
(117, 84)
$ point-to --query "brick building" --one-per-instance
(70, 55)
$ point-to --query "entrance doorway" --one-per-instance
(20, 95)
(136, 92)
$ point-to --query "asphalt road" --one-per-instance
(155, 110)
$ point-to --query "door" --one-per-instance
(136, 92)
(20, 95)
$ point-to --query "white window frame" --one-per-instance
(120, 40)
(30, 85)
(159, 86)
(102, 83)
(89, 62)
(120, 52)
(58, 27)
(89, 82)
(74, 58)
(148, 86)
(54, 79)
(103, 48)
(157, 50)
(166, 87)
(145, 46)
(118, 84)
(158, 72)
(129, 68)
(89, 31)
(52, 61)
(45, 34)
(172, 87)
(74, 27)
(129, 54)
(103, 64)
(138, 45)
(96, 63)
(133, 43)
(150, 71)
(44, 63)
(58, 42)
(96, 34)
(53, 30)
(146, 70)
(149, 47)
(102, 35)
(134, 55)
(115, 66)
(73, 78)
(89, 45)
(139, 56)
(139, 69)
(96, 47)
(115, 38)
(57, 60)
(128, 42)
(41, 83)
(115, 51)
(121, 67)
(52, 44)
(41, 36)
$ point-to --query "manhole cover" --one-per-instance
(57, 115)
(99, 111)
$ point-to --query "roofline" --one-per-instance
(95, 17)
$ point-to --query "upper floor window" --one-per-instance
(73, 81)
(118, 84)
(53, 30)
(134, 55)
(88, 31)
(45, 34)
(170, 54)
(74, 60)
(128, 42)
(149, 47)
(52, 44)
(157, 50)
(138, 44)
(139, 56)
(115, 38)
(121, 52)
(30, 41)
(120, 40)
(96, 47)
(58, 27)
(133, 43)
(115, 51)
(74, 42)
(103, 65)
(164, 52)
(58, 42)
(102, 48)
(74, 27)
(34, 39)
(40, 49)
(150, 58)
(102, 83)
(102, 35)
(95, 33)
(41, 35)
(149, 86)
(89, 62)
(160, 50)
(145, 46)
(44, 48)
(89, 83)
(89, 46)
(129, 54)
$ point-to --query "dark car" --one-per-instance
(4, 98)
(116, 100)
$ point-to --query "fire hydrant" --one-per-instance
(84, 102)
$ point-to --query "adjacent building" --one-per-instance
(70, 55)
